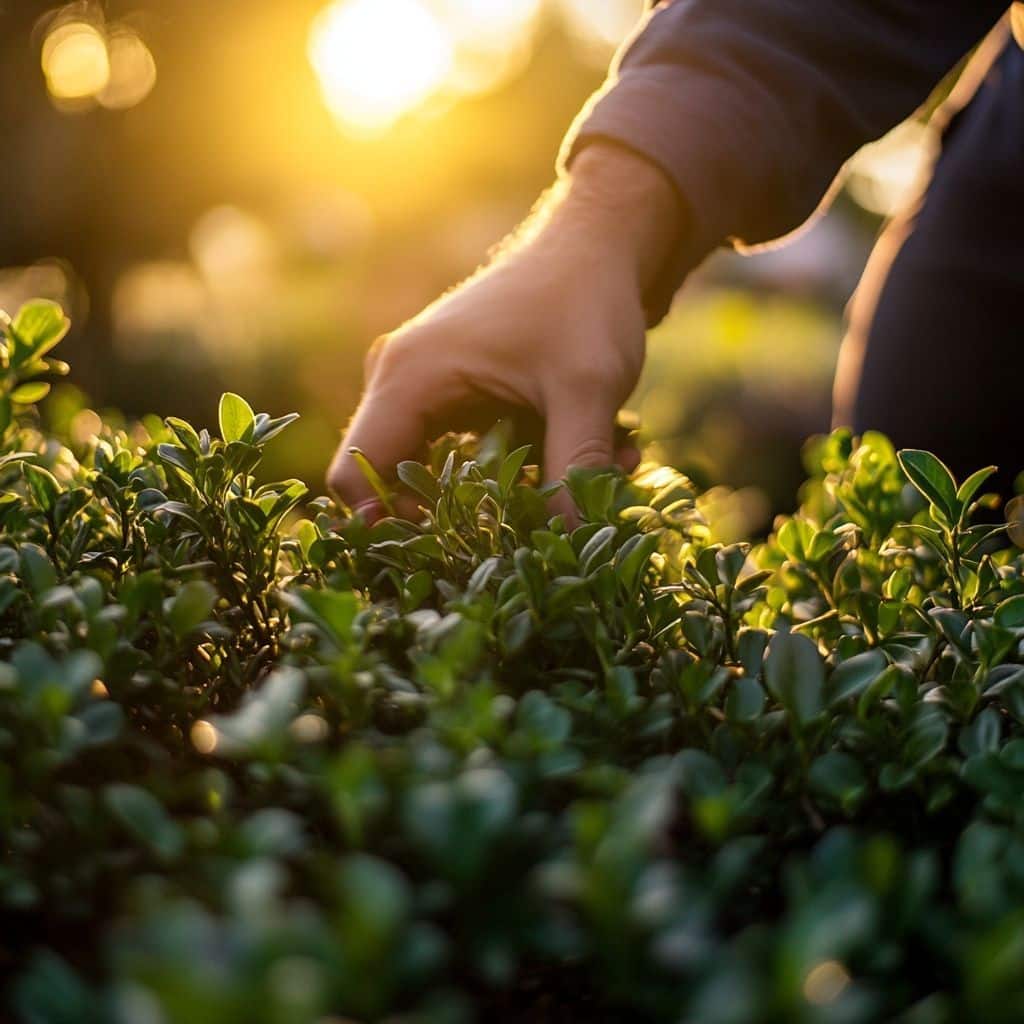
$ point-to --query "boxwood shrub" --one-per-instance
(262, 763)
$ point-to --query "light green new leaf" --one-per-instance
(44, 485)
(29, 394)
(237, 420)
(38, 326)
(972, 484)
(511, 467)
(190, 606)
(373, 478)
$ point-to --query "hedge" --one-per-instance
(262, 763)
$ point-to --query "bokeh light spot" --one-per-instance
(152, 301)
(825, 982)
(227, 242)
(85, 427)
(378, 59)
(75, 61)
(132, 72)
(599, 26)
(204, 737)
(309, 728)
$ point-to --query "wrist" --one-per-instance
(628, 202)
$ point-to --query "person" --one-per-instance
(726, 122)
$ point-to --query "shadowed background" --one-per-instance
(243, 195)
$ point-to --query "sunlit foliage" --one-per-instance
(260, 767)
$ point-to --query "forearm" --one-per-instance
(624, 203)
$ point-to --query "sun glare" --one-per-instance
(85, 65)
(489, 24)
(132, 72)
(378, 59)
(75, 61)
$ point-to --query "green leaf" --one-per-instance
(972, 484)
(795, 537)
(38, 326)
(933, 479)
(377, 900)
(36, 569)
(745, 701)
(481, 575)
(237, 420)
(750, 648)
(185, 433)
(853, 676)
(516, 632)
(548, 724)
(795, 675)
(43, 484)
(336, 610)
(103, 722)
(418, 478)
(180, 458)
(191, 606)
(879, 688)
(840, 777)
(49, 990)
(729, 563)
(510, 468)
(632, 559)
(373, 478)
(294, 492)
(926, 737)
(597, 550)
(29, 394)
(266, 428)
(982, 735)
(144, 817)
(1009, 614)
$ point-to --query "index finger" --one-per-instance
(386, 428)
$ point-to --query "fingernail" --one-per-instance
(370, 509)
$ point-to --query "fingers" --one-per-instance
(627, 457)
(388, 427)
(579, 433)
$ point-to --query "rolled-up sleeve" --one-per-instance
(752, 106)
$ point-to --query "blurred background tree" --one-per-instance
(244, 194)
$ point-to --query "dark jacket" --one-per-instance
(752, 106)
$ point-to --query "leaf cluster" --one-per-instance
(264, 762)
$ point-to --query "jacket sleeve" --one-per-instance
(752, 106)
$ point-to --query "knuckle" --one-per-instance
(599, 373)
(373, 354)
(394, 357)
(591, 453)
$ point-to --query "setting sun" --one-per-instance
(378, 59)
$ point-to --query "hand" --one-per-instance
(555, 324)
